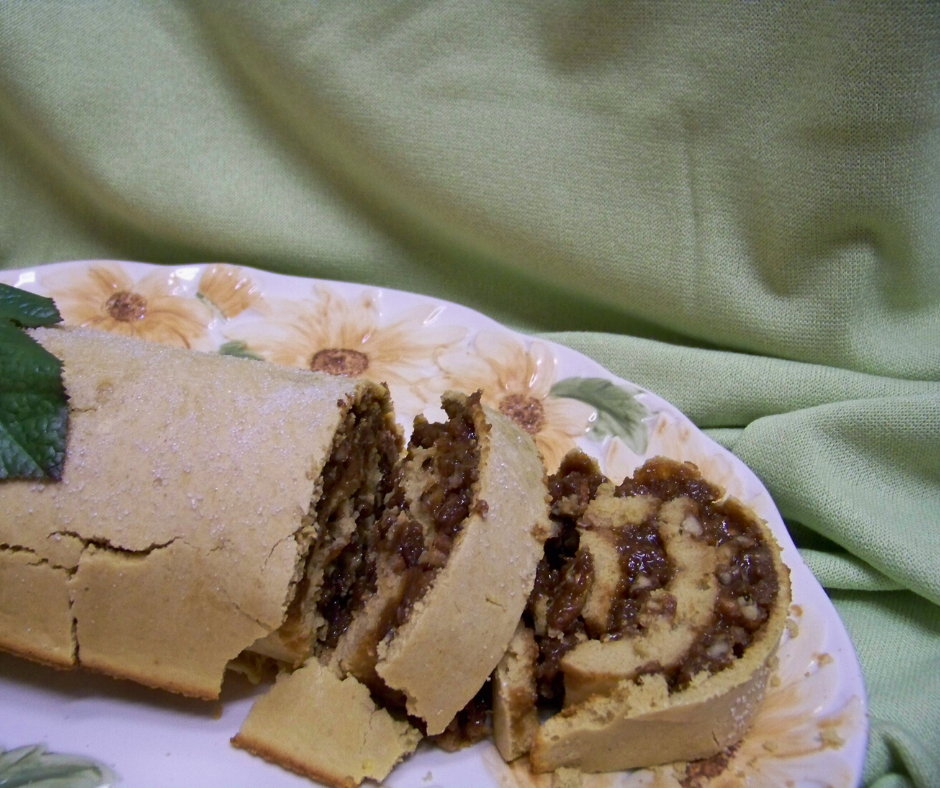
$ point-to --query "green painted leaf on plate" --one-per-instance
(239, 349)
(619, 413)
(216, 309)
(33, 766)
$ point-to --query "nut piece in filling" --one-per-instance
(656, 611)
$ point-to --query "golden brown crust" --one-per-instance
(641, 724)
(108, 584)
(155, 489)
(326, 728)
(515, 716)
(34, 591)
(272, 755)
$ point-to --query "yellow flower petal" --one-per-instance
(517, 382)
(229, 289)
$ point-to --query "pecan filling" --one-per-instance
(337, 574)
(357, 476)
(644, 568)
(433, 494)
(563, 577)
(747, 583)
(450, 468)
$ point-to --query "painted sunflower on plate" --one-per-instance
(105, 296)
(517, 382)
(328, 333)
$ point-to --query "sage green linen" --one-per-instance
(734, 204)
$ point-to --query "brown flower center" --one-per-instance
(126, 306)
(527, 412)
(339, 361)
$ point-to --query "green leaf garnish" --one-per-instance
(34, 766)
(27, 309)
(619, 413)
(33, 402)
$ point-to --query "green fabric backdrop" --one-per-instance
(734, 204)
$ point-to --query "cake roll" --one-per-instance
(650, 633)
(420, 609)
(194, 492)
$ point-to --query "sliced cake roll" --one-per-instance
(459, 544)
(422, 614)
(657, 609)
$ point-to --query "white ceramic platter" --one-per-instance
(810, 730)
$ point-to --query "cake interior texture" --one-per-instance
(747, 581)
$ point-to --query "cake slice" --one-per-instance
(458, 547)
(326, 728)
(657, 610)
(514, 696)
